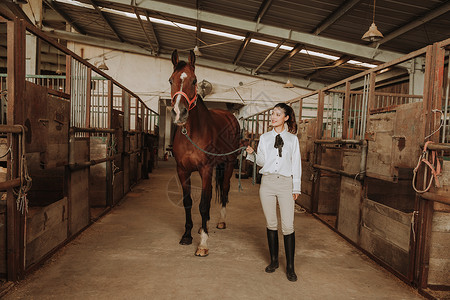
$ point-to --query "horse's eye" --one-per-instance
(194, 82)
(170, 81)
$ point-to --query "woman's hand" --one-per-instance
(249, 150)
(295, 196)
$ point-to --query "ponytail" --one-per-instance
(288, 111)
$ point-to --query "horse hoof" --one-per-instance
(201, 252)
(221, 225)
(186, 240)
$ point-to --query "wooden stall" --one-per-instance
(75, 144)
(365, 146)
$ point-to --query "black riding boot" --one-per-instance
(272, 239)
(289, 248)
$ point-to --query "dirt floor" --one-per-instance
(133, 253)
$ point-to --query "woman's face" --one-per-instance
(278, 117)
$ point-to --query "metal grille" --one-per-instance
(54, 82)
(358, 111)
(99, 102)
(333, 116)
(78, 94)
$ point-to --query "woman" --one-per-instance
(279, 156)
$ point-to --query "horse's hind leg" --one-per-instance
(205, 204)
(185, 179)
(229, 167)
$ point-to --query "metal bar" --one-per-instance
(12, 128)
(339, 141)
(436, 197)
(437, 146)
(9, 184)
(93, 162)
(340, 172)
(92, 130)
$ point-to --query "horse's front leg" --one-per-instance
(185, 180)
(205, 204)
(229, 167)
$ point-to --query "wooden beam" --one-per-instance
(106, 19)
(244, 45)
(261, 12)
(158, 47)
(15, 116)
(149, 40)
(332, 65)
(286, 57)
(65, 16)
(415, 23)
(334, 16)
(269, 55)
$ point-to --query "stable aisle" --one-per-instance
(133, 253)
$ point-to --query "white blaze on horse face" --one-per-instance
(176, 107)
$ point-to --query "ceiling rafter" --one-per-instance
(259, 15)
(335, 15)
(106, 19)
(269, 55)
(127, 47)
(268, 30)
(147, 36)
(415, 23)
(155, 36)
(286, 57)
(242, 48)
(330, 66)
(55, 7)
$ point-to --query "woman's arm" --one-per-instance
(296, 168)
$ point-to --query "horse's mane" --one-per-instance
(181, 64)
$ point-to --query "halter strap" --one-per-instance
(192, 102)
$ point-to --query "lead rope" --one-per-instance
(434, 172)
(242, 149)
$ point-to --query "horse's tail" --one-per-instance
(220, 177)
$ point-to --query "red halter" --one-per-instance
(192, 102)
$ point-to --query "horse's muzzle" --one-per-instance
(180, 119)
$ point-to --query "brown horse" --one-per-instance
(215, 131)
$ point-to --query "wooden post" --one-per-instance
(16, 85)
(109, 169)
(318, 154)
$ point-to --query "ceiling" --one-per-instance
(296, 32)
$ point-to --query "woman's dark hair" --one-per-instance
(288, 111)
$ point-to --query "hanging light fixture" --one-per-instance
(288, 83)
(373, 34)
(102, 66)
(197, 51)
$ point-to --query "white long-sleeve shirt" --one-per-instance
(289, 164)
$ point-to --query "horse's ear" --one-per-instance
(192, 58)
(175, 59)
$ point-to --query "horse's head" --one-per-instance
(183, 84)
